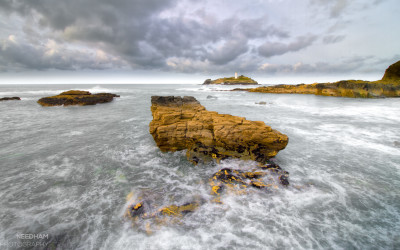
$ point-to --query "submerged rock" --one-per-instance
(76, 97)
(10, 98)
(183, 123)
(239, 181)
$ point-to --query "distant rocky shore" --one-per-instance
(76, 97)
(10, 98)
(388, 86)
(241, 80)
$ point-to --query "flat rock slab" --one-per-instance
(76, 97)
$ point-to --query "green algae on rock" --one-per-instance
(76, 97)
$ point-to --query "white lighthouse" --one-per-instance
(235, 75)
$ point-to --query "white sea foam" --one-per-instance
(73, 133)
(67, 172)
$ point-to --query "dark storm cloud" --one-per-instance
(218, 41)
(134, 31)
(229, 51)
(270, 49)
(169, 35)
(118, 27)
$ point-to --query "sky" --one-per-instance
(188, 41)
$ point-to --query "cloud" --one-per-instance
(351, 64)
(228, 51)
(334, 7)
(19, 56)
(143, 33)
(174, 35)
(330, 39)
(270, 49)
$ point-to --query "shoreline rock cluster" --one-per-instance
(76, 97)
(388, 86)
(183, 123)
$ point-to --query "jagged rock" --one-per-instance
(392, 72)
(76, 97)
(10, 98)
(207, 81)
(183, 123)
(144, 209)
(147, 216)
(238, 181)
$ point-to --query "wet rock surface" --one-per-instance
(239, 181)
(10, 98)
(147, 215)
(76, 97)
(181, 123)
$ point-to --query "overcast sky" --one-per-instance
(178, 41)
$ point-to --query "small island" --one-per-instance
(234, 80)
(76, 97)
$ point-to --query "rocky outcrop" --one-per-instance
(389, 86)
(76, 97)
(392, 73)
(241, 80)
(10, 98)
(350, 88)
(183, 123)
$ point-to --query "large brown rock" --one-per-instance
(183, 123)
(76, 97)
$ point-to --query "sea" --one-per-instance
(68, 174)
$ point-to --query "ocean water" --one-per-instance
(65, 172)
